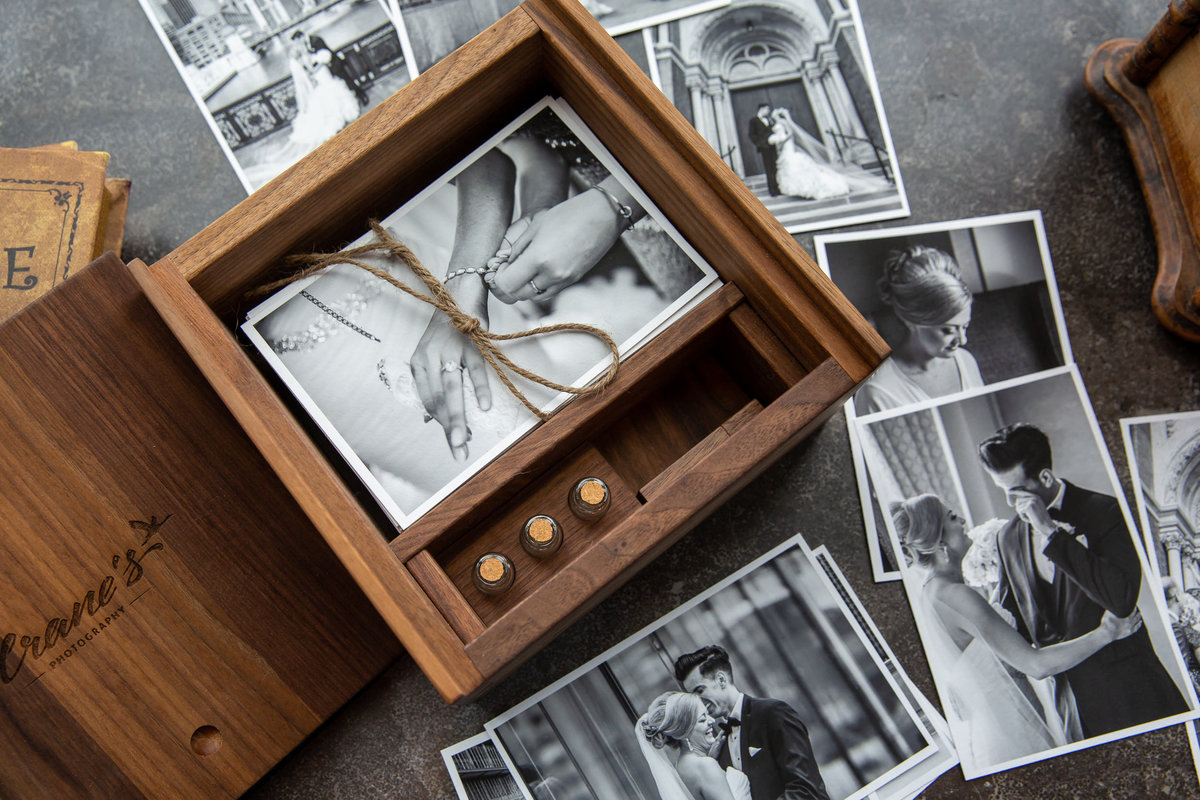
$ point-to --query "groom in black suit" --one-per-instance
(764, 738)
(759, 130)
(1066, 558)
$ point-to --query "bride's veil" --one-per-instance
(666, 778)
(806, 141)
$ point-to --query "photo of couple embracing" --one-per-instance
(764, 687)
(1040, 627)
(714, 742)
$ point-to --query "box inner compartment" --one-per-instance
(686, 409)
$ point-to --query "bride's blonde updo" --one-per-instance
(923, 285)
(671, 717)
(918, 523)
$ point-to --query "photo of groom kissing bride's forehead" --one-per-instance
(1032, 596)
(763, 687)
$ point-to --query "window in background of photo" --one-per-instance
(913, 456)
(786, 638)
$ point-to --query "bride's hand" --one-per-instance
(1120, 627)
(438, 362)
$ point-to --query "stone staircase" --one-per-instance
(797, 213)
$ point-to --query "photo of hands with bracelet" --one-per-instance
(540, 227)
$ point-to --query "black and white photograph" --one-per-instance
(786, 94)
(478, 772)
(277, 78)
(946, 758)
(963, 304)
(759, 687)
(538, 227)
(1164, 465)
(1030, 589)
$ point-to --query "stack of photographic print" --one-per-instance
(986, 487)
(773, 680)
(785, 91)
(406, 399)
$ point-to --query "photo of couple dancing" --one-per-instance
(714, 742)
(761, 688)
(1035, 623)
(786, 151)
(532, 230)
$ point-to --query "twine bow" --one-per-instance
(440, 298)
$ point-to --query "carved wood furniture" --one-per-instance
(1152, 89)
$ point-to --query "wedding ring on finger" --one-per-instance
(536, 290)
(451, 366)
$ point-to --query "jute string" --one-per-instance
(440, 298)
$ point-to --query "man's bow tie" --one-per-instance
(728, 725)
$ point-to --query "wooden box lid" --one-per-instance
(172, 622)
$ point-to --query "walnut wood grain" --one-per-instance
(345, 525)
(104, 419)
(500, 533)
(699, 452)
(624, 550)
(446, 596)
(1161, 125)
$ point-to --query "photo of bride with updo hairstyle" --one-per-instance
(962, 304)
(676, 735)
(925, 291)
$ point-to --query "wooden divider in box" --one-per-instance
(692, 417)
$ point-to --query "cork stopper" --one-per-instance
(589, 498)
(494, 574)
(540, 530)
(491, 569)
(541, 537)
(592, 492)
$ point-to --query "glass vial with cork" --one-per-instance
(493, 574)
(589, 499)
(542, 536)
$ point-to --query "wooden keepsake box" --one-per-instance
(693, 415)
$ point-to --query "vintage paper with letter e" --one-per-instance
(52, 211)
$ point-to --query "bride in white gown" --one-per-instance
(324, 104)
(979, 660)
(675, 735)
(800, 175)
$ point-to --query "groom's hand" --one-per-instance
(1032, 509)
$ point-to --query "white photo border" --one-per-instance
(1157, 600)
(1135, 480)
(875, 538)
(400, 517)
(448, 754)
(796, 541)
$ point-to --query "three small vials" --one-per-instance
(542, 536)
